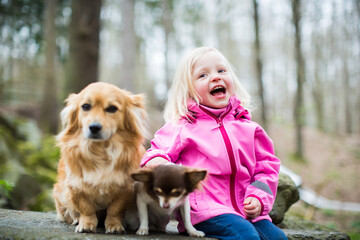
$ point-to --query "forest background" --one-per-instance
(299, 59)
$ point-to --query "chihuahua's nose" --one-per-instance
(95, 128)
(166, 205)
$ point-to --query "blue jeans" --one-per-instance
(233, 227)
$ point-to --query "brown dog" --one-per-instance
(101, 145)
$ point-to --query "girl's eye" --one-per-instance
(221, 71)
(202, 75)
(86, 107)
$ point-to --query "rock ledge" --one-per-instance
(39, 225)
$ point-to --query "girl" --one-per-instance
(209, 127)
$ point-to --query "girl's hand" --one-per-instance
(156, 161)
(252, 207)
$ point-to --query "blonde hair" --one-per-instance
(183, 87)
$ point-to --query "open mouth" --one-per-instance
(218, 91)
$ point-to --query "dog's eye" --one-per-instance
(111, 109)
(86, 107)
(176, 194)
(158, 192)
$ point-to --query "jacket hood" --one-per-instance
(233, 108)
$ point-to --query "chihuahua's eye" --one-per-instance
(176, 194)
(111, 109)
(158, 191)
(86, 107)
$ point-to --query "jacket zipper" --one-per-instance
(230, 152)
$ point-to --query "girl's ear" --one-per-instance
(143, 175)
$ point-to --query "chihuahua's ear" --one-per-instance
(143, 175)
(193, 178)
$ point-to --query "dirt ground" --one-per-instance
(331, 167)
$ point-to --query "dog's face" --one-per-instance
(102, 109)
(169, 184)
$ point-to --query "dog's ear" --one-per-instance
(193, 178)
(143, 175)
(195, 175)
(136, 116)
(69, 115)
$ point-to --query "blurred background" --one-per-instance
(299, 59)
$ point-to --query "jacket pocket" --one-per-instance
(198, 202)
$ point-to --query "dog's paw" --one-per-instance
(75, 222)
(86, 228)
(196, 233)
(113, 225)
(142, 231)
(115, 229)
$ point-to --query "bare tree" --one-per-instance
(299, 113)
(128, 45)
(259, 64)
(345, 55)
(318, 88)
(167, 23)
(84, 45)
(49, 104)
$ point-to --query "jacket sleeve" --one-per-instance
(166, 144)
(266, 174)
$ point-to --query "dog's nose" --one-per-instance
(95, 128)
(166, 205)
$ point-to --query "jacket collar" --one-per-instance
(233, 108)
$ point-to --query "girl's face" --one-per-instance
(212, 80)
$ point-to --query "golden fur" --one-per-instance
(94, 171)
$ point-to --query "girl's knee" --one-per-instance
(229, 227)
(268, 231)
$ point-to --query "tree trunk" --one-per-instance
(258, 65)
(84, 45)
(167, 23)
(128, 46)
(318, 91)
(347, 94)
(299, 113)
(49, 106)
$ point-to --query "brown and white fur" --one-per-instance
(101, 145)
(163, 189)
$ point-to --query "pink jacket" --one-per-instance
(237, 153)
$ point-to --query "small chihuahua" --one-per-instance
(163, 189)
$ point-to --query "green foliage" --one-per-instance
(356, 225)
(5, 188)
(24, 152)
(296, 158)
(41, 161)
(354, 236)
(328, 212)
(43, 202)
(331, 225)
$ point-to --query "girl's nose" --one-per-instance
(215, 77)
